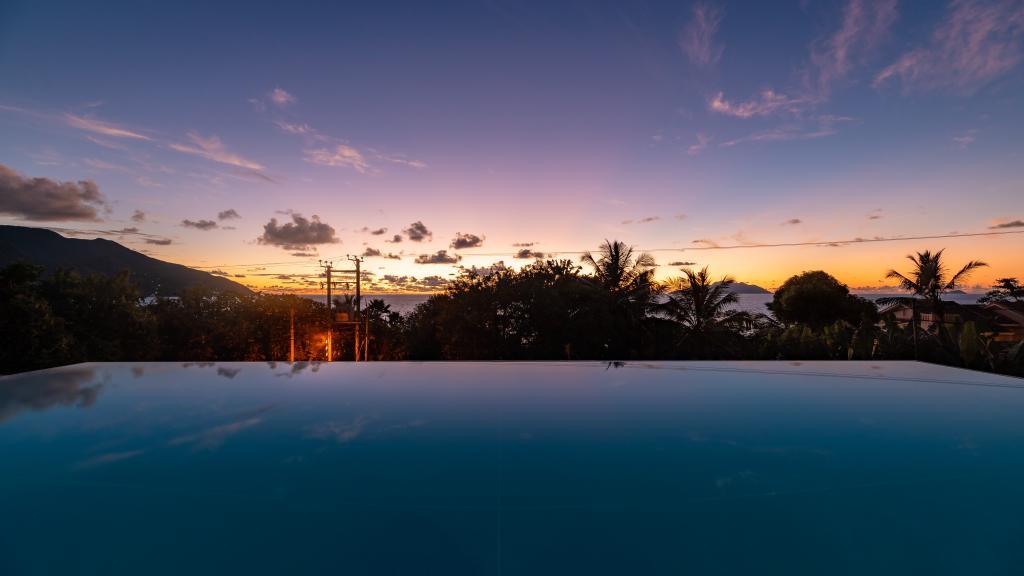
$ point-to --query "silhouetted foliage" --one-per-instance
(548, 310)
(818, 300)
(1005, 290)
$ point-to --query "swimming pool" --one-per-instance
(512, 468)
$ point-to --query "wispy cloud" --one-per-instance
(281, 98)
(1008, 224)
(645, 220)
(340, 155)
(301, 129)
(768, 102)
(865, 25)
(103, 128)
(697, 39)
(975, 43)
(702, 142)
(965, 139)
(823, 126)
(211, 148)
(418, 164)
(705, 242)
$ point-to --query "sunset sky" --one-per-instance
(254, 141)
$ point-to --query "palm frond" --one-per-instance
(964, 273)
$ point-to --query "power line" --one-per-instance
(693, 248)
(784, 244)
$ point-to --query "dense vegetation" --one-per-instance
(551, 309)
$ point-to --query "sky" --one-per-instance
(256, 139)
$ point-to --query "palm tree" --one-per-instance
(624, 280)
(928, 280)
(702, 307)
(619, 270)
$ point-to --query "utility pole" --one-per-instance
(357, 260)
(291, 338)
(328, 268)
(358, 310)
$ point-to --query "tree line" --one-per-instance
(607, 307)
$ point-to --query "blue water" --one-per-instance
(512, 468)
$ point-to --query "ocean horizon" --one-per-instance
(405, 303)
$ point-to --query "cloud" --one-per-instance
(159, 241)
(823, 126)
(682, 263)
(697, 39)
(281, 98)
(646, 220)
(463, 241)
(439, 257)
(374, 253)
(213, 149)
(792, 222)
(299, 234)
(875, 214)
(865, 26)
(220, 273)
(199, 224)
(706, 243)
(428, 283)
(767, 103)
(103, 128)
(523, 244)
(965, 139)
(341, 155)
(680, 216)
(138, 216)
(401, 160)
(395, 239)
(417, 232)
(303, 254)
(702, 142)
(374, 231)
(527, 253)
(1008, 224)
(299, 129)
(975, 43)
(227, 214)
(43, 199)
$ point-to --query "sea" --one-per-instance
(404, 303)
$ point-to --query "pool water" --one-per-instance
(512, 468)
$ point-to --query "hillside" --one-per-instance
(743, 288)
(53, 251)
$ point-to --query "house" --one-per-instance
(1008, 318)
(1003, 321)
(953, 312)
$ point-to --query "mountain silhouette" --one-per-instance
(52, 251)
